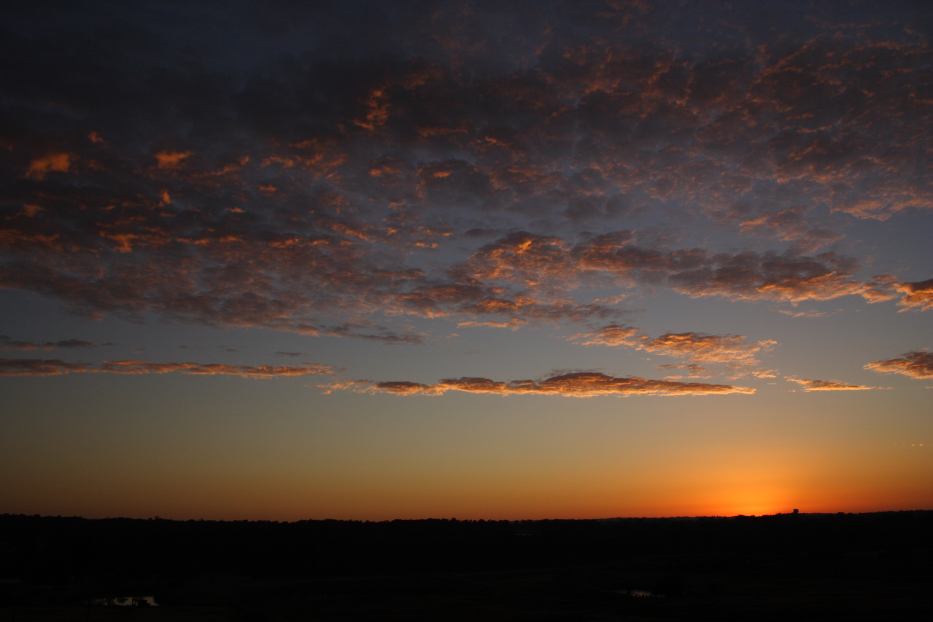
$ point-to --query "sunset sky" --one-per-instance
(379, 260)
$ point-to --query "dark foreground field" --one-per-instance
(784, 567)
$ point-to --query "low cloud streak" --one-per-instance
(574, 384)
(917, 365)
(810, 385)
(56, 367)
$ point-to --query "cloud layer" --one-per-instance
(454, 163)
(576, 384)
(697, 347)
(56, 367)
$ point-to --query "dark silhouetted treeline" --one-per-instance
(827, 566)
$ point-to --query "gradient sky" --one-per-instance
(475, 259)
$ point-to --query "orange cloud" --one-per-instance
(916, 295)
(764, 374)
(918, 365)
(171, 159)
(810, 385)
(31, 210)
(52, 163)
(377, 110)
(56, 367)
(610, 335)
(690, 345)
(575, 384)
(522, 257)
(708, 348)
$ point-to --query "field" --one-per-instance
(783, 567)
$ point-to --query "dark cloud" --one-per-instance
(41, 367)
(917, 364)
(792, 225)
(270, 170)
(8, 343)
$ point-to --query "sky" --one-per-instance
(375, 260)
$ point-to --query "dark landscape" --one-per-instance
(779, 567)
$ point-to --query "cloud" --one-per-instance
(232, 192)
(138, 368)
(41, 367)
(791, 224)
(8, 343)
(171, 159)
(784, 277)
(698, 347)
(916, 364)
(56, 367)
(575, 384)
(382, 335)
(916, 295)
(708, 348)
(512, 324)
(809, 313)
(611, 335)
(764, 374)
(691, 370)
(521, 257)
(473, 298)
(810, 385)
(788, 276)
(52, 163)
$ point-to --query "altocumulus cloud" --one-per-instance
(918, 295)
(575, 384)
(321, 184)
(699, 347)
(916, 364)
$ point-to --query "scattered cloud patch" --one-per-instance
(917, 295)
(916, 364)
(697, 347)
(171, 159)
(52, 163)
(810, 385)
